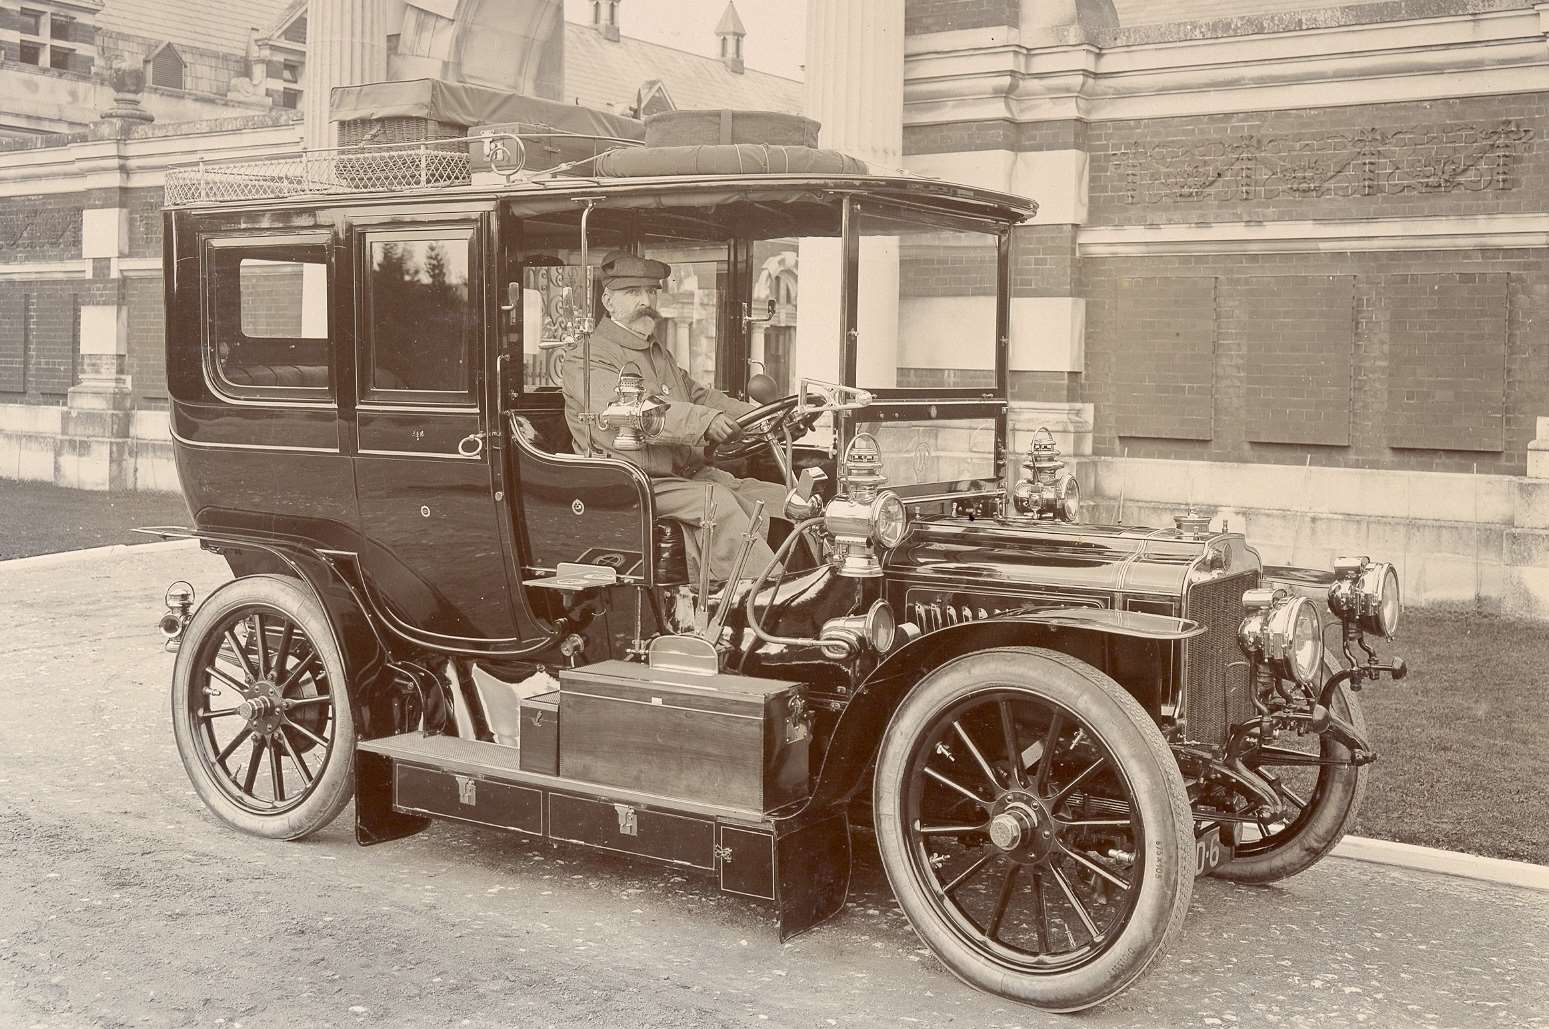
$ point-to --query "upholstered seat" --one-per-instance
(313, 376)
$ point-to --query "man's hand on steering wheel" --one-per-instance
(759, 428)
(722, 429)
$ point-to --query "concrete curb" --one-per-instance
(1446, 862)
(68, 557)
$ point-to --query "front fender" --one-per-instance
(1082, 633)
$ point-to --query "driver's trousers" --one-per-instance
(684, 501)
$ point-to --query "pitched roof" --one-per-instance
(730, 24)
(599, 73)
(212, 26)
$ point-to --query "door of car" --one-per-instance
(429, 483)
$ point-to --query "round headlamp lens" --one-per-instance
(1305, 650)
(1070, 502)
(1379, 584)
(881, 626)
(890, 520)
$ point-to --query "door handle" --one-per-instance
(472, 445)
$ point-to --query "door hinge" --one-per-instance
(629, 825)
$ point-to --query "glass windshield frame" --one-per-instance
(820, 203)
(928, 403)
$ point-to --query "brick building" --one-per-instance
(1290, 265)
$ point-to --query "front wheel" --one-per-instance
(1321, 791)
(260, 712)
(1034, 827)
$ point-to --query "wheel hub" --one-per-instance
(263, 708)
(1022, 828)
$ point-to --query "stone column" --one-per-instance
(94, 449)
(855, 90)
(346, 45)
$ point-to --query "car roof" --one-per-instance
(212, 188)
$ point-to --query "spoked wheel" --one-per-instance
(1321, 802)
(1034, 827)
(260, 712)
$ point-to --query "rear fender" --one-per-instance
(1082, 633)
(375, 700)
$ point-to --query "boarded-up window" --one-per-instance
(1298, 333)
(1446, 336)
(1164, 380)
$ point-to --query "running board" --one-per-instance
(798, 860)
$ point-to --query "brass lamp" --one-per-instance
(638, 417)
(1046, 490)
(864, 514)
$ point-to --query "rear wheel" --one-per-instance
(259, 709)
(1034, 827)
(1320, 801)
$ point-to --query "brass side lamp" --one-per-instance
(637, 416)
(1046, 490)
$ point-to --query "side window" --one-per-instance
(422, 312)
(557, 292)
(267, 313)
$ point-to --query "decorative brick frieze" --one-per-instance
(39, 228)
(1368, 162)
(1479, 156)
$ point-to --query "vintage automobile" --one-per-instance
(443, 606)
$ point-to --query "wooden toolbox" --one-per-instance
(732, 740)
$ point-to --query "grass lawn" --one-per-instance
(1463, 743)
(38, 518)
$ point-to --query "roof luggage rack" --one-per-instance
(382, 167)
(426, 164)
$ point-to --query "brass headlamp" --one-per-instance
(1365, 592)
(1046, 490)
(864, 513)
(1284, 632)
(638, 417)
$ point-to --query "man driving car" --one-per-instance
(696, 416)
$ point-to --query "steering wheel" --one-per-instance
(761, 425)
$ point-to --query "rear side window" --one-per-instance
(267, 305)
(422, 310)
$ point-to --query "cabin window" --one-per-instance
(422, 307)
(267, 304)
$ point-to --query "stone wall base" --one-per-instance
(35, 448)
(1459, 541)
